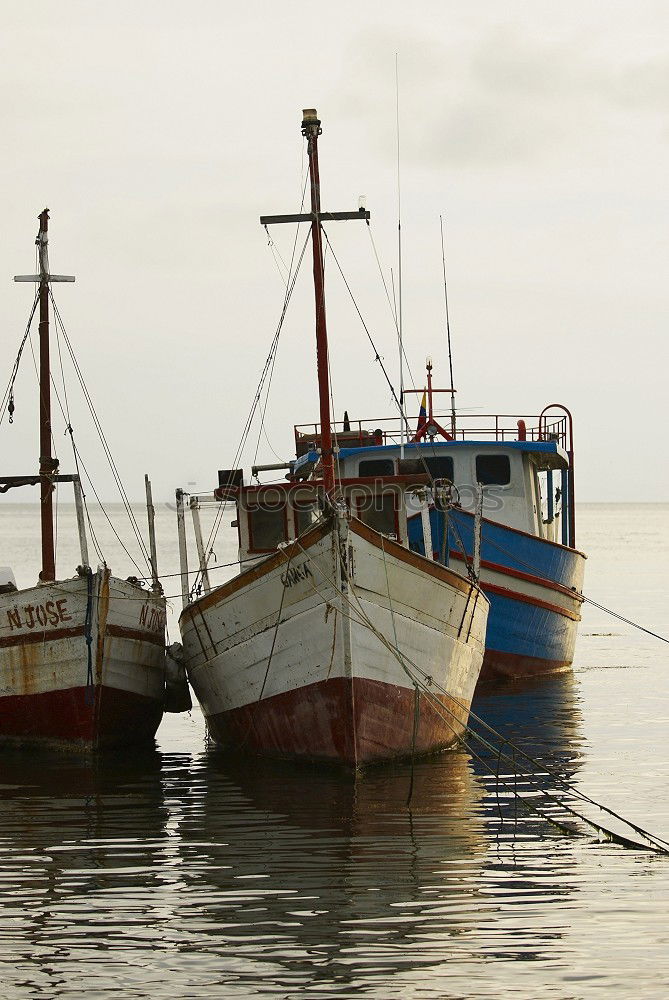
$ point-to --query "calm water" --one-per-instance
(181, 874)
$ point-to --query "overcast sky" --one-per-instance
(158, 132)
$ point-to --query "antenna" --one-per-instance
(448, 328)
(399, 254)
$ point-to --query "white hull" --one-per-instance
(286, 659)
(82, 661)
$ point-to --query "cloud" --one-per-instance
(501, 96)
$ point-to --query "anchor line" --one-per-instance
(468, 736)
(584, 597)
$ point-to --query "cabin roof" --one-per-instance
(549, 453)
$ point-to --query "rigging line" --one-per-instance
(65, 413)
(103, 439)
(75, 452)
(377, 356)
(585, 599)
(399, 243)
(363, 619)
(289, 271)
(393, 310)
(39, 393)
(99, 429)
(657, 842)
(258, 395)
(541, 767)
(627, 621)
(448, 327)
(78, 460)
(10, 385)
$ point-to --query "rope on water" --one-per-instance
(467, 736)
(584, 597)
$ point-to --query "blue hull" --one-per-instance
(533, 586)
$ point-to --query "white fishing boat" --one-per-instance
(335, 642)
(82, 658)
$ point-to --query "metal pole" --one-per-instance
(47, 465)
(425, 524)
(448, 330)
(183, 551)
(81, 523)
(478, 524)
(197, 527)
(311, 129)
(151, 517)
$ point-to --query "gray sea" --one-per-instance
(179, 873)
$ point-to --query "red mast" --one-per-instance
(311, 129)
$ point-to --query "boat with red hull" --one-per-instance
(321, 650)
(82, 659)
(335, 642)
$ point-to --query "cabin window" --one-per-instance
(440, 467)
(379, 512)
(267, 528)
(377, 467)
(493, 470)
(305, 515)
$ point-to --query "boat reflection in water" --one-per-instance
(312, 878)
(179, 874)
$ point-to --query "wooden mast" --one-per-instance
(48, 465)
(311, 129)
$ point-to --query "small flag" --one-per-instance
(422, 416)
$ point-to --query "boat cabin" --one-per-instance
(270, 515)
(523, 464)
(518, 477)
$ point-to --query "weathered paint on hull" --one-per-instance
(82, 664)
(87, 718)
(534, 588)
(524, 640)
(340, 721)
(291, 664)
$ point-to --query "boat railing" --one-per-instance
(468, 427)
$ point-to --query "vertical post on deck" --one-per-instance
(151, 518)
(183, 551)
(199, 542)
(81, 523)
(478, 526)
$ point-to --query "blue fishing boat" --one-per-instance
(520, 471)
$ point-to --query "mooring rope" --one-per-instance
(468, 736)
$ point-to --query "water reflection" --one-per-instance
(192, 871)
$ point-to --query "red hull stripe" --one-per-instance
(41, 635)
(340, 721)
(519, 575)
(52, 635)
(156, 638)
(491, 588)
(514, 665)
(88, 718)
(527, 534)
